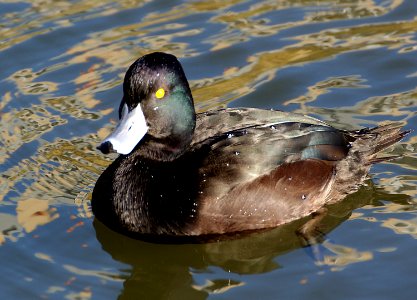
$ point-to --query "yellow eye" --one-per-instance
(160, 93)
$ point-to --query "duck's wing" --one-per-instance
(264, 168)
(241, 145)
(217, 122)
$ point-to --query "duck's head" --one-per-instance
(156, 114)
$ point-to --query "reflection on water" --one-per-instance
(351, 63)
(181, 267)
(33, 212)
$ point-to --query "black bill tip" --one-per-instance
(106, 147)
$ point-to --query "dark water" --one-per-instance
(352, 63)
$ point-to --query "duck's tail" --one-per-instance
(365, 146)
(369, 142)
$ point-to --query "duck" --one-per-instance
(182, 174)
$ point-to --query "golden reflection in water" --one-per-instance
(75, 162)
(218, 286)
(309, 48)
(76, 167)
(405, 184)
(24, 80)
(20, 127)
(32, 213)
(109, 46)
(343, 256)
(243, 26)
(400, 226)
(392, 105)
(356, 9)
(59, 171)
(61, 13)
(62, 173)
(323, 87)
(5, 99)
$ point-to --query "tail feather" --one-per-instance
(380, 159)
(365, 145)
(369, 142)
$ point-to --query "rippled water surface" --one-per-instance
(352, 63)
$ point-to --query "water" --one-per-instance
(351, 63)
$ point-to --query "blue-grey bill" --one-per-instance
(131, 129)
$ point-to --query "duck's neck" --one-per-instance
(155, 150)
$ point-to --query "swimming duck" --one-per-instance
(225, 171)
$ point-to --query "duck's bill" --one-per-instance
(128, 133)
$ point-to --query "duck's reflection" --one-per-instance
(161, 271)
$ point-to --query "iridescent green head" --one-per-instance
(157, 116)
